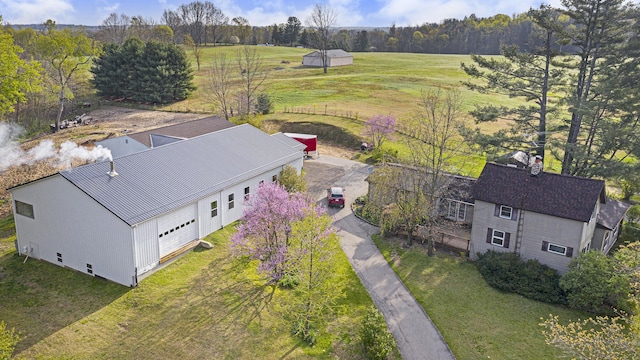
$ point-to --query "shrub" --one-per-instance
(380, 153)
(9, 338)
(376, 338)
(508, 272)
(264, 105)
(593, 285)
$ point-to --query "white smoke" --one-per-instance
(11, 154)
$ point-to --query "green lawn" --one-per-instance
(376, 83)
(477, 321)
(206, 305)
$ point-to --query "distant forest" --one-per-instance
(471, 35)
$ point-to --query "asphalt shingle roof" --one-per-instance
(611, 213)
(558, 195)
(184, 130)
(154, 181)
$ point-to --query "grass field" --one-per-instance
(476, 321)
(206, 305)
(376, 82)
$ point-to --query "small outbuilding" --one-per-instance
(120, 220)
(335, 57)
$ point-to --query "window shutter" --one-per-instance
(507, 237)
(496, 211)
(514, 213)
(569, 251)
(489, 235)
(545, 245)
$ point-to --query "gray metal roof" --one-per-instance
(334, 53)
(289, 141)
(155, 181)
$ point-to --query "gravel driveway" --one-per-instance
(415, 334)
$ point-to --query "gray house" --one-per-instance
(549, 217)
(121, 220)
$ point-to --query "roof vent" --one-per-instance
(113, 172)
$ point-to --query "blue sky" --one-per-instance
(367, 13)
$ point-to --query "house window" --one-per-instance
(587, 247)
(506, 212)
(89, 268)
(59, 255)
(557, 249)
(497, 238)
(24, 209)
(214, 209)
(246, 193)
(456, 210)
(607, 237)
(274, 178)
(231, 204)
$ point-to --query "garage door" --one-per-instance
(177, 229)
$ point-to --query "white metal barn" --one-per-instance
(336, 57)
(121, 220)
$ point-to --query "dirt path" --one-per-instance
(416, 335)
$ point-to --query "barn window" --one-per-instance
(231, 204)
(24, 209)
(182, 225)
(214, 209)
(89, 268)
(59, 255)
(193, 220)
(246, 193)
(160, 235)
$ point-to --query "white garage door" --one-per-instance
(177, 229)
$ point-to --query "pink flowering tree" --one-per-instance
(265, 229)
(379, 128)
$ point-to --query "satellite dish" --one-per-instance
(521, 157)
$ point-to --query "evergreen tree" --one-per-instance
(153, 72)
(106, 69)
(526, 75)
(600, 98)
(292, 30)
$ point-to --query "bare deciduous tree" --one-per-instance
(433, 140)
(215, 22)
(193, 17)
(252, 77)
(321, 20)
(141, 28)
(114, 28)
(220, 84)
(172, 19)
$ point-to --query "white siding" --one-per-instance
(206, 222)
(177, 228)
(146, 245)
(68, 222)
(341, 61)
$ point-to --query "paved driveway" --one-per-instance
(416, 335)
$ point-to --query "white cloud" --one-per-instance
(37, 11)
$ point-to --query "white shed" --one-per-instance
(121, 220)
(336, 57)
